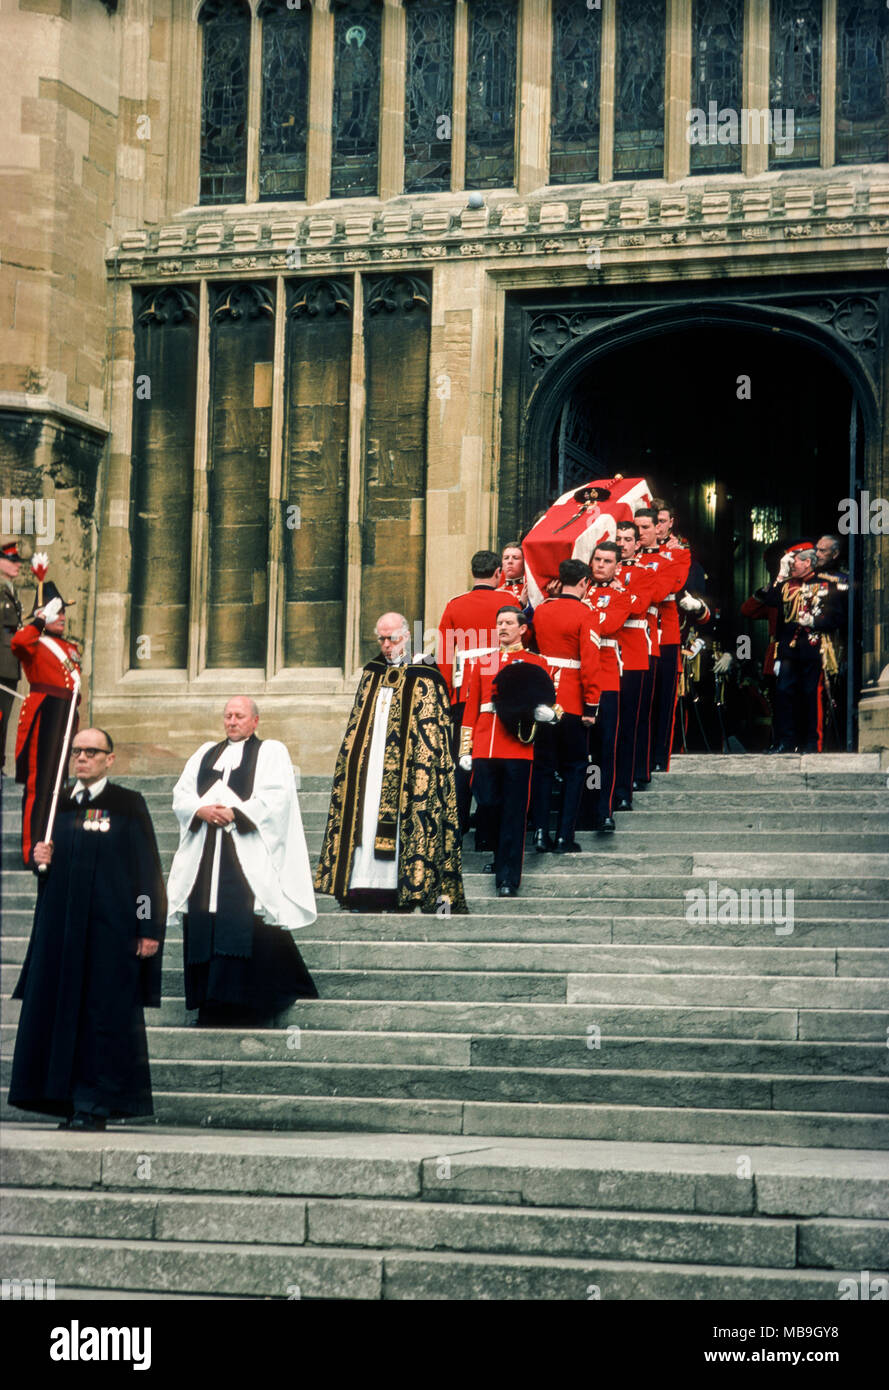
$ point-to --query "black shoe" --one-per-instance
(542, 842)
(82, 1121)
(65, 1124)
(563, 846)
(606, 826)
(658, 767)
(641, 784)
(487, 868)
(505, 891)
(782, 748)
(811, 748)
(624, 805)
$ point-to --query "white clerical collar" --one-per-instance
(92, 791)
(231, 756)
(403, 660)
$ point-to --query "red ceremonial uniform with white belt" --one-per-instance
(611, 606)
(665, 581)
(635, 643)
(468, 629)
(48, 663)
(567, 634)
(679, 557)
(483, 734)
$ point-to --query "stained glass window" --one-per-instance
(285, 99)
(795, 83)
(356, 99)
(490, 99)
(428, 96)
(639, 90)
(862, 76)
(716, 56)
(577, 42)
(226, 30)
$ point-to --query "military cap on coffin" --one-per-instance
(518, 689)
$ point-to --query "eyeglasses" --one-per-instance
(88, 752)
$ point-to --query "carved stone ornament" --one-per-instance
(404, 292)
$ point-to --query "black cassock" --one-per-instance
(235, 962)
(81, 1043)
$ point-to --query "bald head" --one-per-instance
(240, 717)
(392, 633)
(91, 755)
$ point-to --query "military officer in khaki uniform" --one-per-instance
(10, 622)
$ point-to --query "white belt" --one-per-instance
(668, 598)
(612, 642)
(636, 622)
(652, 609)
(464, 656)
(486, 709)
(562, 661)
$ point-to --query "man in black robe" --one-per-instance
(94, 957)
(241, 877)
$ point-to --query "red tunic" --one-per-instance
(611, 607)
(43, 670)
(680, 556)
(753, 608)
(635, 644)
(566, 630)
(666, 581)
(469, 623)
(490, 737)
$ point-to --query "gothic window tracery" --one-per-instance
(490, 101)
(639, 90)
(862, 130)
(716, 57)
(285, 99)
(795, 78)
(428, 96)
(577, 41)
(226, 65)
(356, 99)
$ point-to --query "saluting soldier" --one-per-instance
(811, 609)
(50, 663)
(10, 622)
(498, 750)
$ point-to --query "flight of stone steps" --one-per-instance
(588, 1009)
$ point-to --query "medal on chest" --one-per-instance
(97, 820)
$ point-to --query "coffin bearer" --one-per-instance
(635, 651)
(671, 568)
(51, 665)
(10, 622)
(94, 957)
(241, 876)
(512, 575)
(567, 636)
(612, 606)
(507, 697)
(468, 629)
(392, 838)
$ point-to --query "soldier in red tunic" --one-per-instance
(667, 677)
(568, 639)
(48, 661)
(612, 606)
(668, 578)
(499, 761)
(512, 574)
(468, 629)
(635, 653)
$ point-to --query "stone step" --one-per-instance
(593, 1174)
(493, 958)
(526, 1085)
(588, 1052)
(563, 1020)
(832, 1243)
(272, 1271)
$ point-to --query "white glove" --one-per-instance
(690, 603)
(723, 663)
(807, 620)
(544, 714)
(52, 610)
(466, 763)
(784, 569)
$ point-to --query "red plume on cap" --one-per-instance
(40, 566)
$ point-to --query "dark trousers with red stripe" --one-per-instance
(37, 767)
(642, 760)
(562, 748)
(631, 683)
(464, 791)
(663, 712)
(798, 720)
(603, 750)
(502, 787)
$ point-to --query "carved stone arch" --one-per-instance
(404, 292)
(201, 10)
(243, 301)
